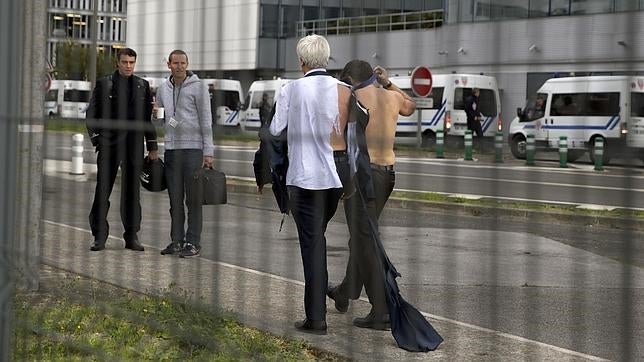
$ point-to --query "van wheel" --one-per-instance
(517, 146)
(429, 139)
(574, 155)
(591, 151)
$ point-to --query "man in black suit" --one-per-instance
(118, 118)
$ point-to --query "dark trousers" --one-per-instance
(475, 127)
(180, 166)
(108, 161)
(364, 266)
(312, 210)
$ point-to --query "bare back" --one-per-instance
(384, 107)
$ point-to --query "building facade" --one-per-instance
(520, 42)
(72, 20)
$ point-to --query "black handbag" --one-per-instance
(210, 186)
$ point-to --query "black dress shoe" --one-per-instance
(341, 302)
(380, 322)
(309, 326)
(134, 245)
(97, 245)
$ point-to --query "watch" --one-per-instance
(387, 86)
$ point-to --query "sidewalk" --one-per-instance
(272, 303)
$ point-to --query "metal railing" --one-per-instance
(372, 23)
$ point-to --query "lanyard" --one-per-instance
(175, 101)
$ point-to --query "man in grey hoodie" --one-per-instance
(188, 147)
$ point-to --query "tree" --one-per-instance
(72, 62)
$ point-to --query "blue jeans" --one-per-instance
(180, 166)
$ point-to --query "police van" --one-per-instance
(68, 98)
(584, 109)
(447, 107)
(253, 102)
(226, 97)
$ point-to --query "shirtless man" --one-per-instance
(384, 105)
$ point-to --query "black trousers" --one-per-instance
(475, 127)
(129, 158)
(312, 210)
(364, 266)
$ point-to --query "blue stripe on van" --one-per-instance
(439, 114)
(488, 122)
(610, 125)
(232, 116)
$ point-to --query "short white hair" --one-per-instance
(314, 51)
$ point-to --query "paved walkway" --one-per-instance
(272, 303)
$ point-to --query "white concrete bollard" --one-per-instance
(77, 154)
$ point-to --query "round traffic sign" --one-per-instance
(421, 81)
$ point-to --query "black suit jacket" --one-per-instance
(114, 116)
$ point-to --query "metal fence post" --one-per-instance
(468, 145)
(440, 144)
(498, 147)
(563, 151)
(530, 150)
(599, 154)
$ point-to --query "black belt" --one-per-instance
(340, 156)
(383, 168)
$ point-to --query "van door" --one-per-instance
(635, 135)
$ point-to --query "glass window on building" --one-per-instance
(509, 9)
(412, 5)
(290, 16)
(434, 4)
(351, 8)
(465, 10)
(539, 8)
(627, 5)
(310, 9)
(581, 7)
(371, 8)
(330, 9)
(269, 20)
(391, 6)
(559, 7)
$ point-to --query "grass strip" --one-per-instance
(78, 319)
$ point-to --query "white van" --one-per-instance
(255, 93)
(226, 96)
(584, 109)
(447, 111)
(68, 98)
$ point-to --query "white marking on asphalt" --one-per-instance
(428, 315)
(529, 182)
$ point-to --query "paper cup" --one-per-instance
(160, 113)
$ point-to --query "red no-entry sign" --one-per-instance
(421, 81)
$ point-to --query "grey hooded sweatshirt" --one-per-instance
(189, 105)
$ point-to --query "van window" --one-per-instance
(436, 95)
(487, 100)
(75, 95)
(228, 98)
(52, 95)
(585, 104)
(256, 101)
(637, 104)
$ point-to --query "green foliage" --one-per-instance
(72, 62)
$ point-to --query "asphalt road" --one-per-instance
(617, 186)
(568, 286)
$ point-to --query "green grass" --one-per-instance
(80, 319)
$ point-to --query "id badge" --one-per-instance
(173, 122)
